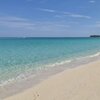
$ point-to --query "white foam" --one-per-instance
(89, 56)
(16, 79)
(59, 63)
(3, 83)
(95, 55)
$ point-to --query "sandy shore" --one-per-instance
(81, 83)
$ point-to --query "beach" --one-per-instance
(79, 83)
(49, 50)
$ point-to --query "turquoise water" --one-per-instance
(18, 56)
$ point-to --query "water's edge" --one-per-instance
(35, 78)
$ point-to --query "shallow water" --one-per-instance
(20, 57)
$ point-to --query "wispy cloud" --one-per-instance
(73, 15)
(15, 22)
(94, 25)
(61, 14)
(47, 10)
(97, 24)
(92, 1)
(79, 16)
(11, 18)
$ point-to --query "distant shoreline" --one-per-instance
(95, 36)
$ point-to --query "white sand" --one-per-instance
(82, 83)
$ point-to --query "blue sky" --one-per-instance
(52, 18)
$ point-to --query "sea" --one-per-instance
(22, 57)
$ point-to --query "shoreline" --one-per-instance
(80, 67)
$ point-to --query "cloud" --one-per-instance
(19, 24)
(79, 16)
(61, 14)
(15, 22)
(97, 24)
(73, 16)
(94, 25)
(92, 1)
(47, 10)
(11, 18)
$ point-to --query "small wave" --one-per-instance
(95, 55)
(89, 56)
(46, 66)
(16, 79)
(3, 83)
(59, 63)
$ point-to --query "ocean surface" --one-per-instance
(21, 56)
